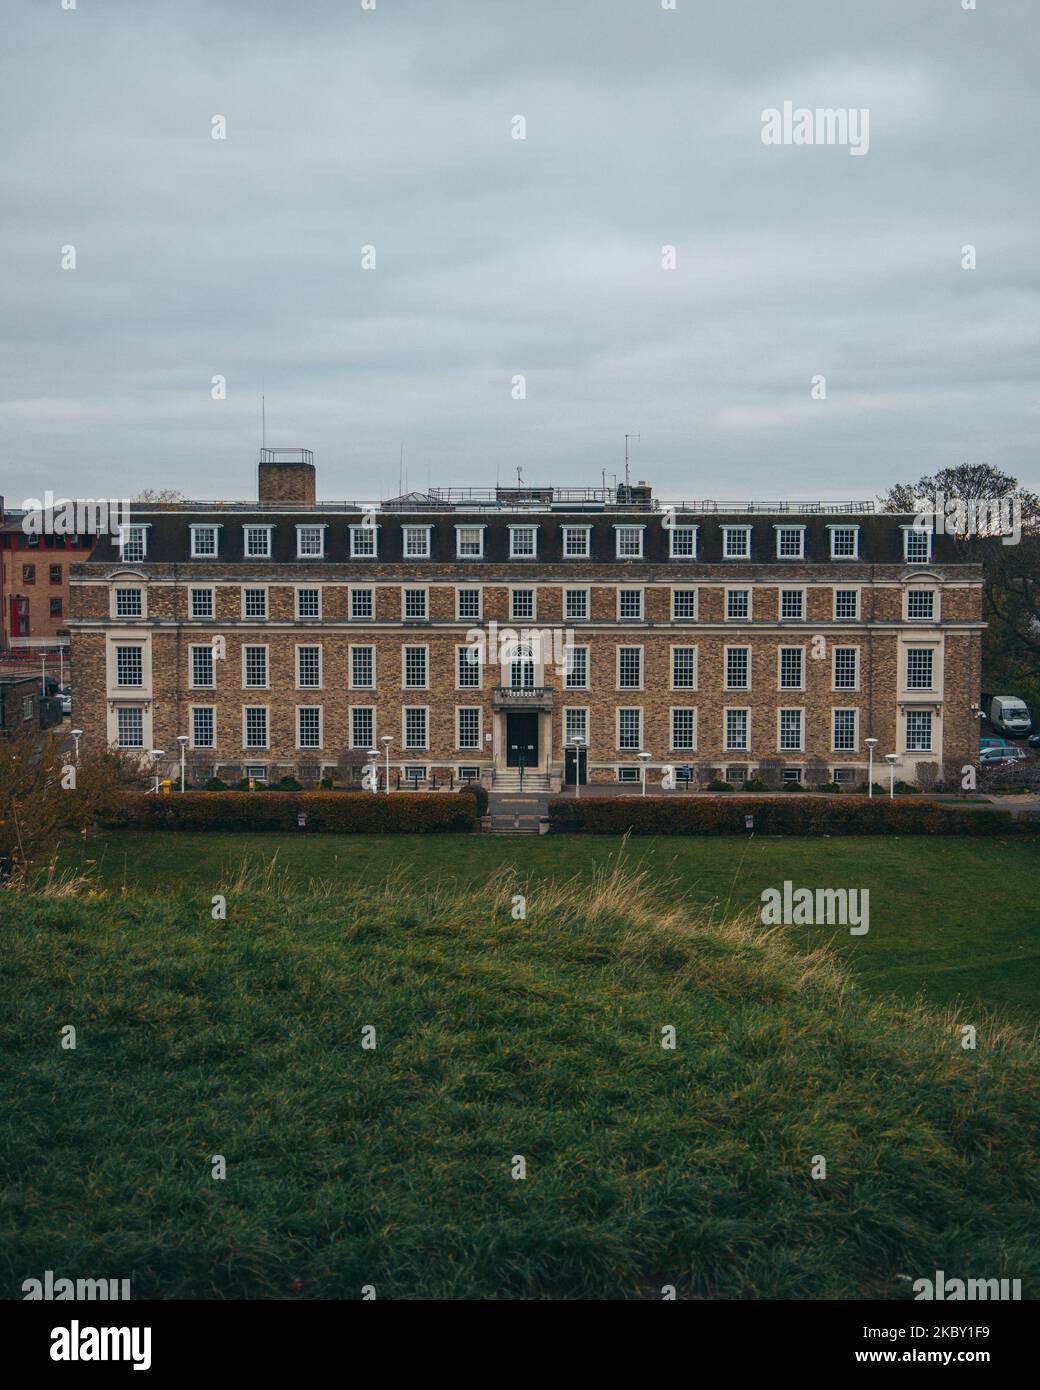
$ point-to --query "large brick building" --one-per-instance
(479, 629)
(34, 583)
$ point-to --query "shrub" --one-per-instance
(716, 786)
(805, 815)
(829, 787)
(879, 790)
(214, 784)
(908, 789)
(793, 787)
(364, 813)
(755, 784)
(475, 790)
(288, 784)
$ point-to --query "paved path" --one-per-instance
(516, 811)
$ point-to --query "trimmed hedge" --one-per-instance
(479, 794)
(789, 815)
(361, 813)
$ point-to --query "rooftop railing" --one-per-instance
(703, 507)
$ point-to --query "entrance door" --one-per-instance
(522, 738)
(571, 764)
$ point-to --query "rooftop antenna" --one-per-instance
(519, 480)
(400, 472)
(263, 418)
(627, 438)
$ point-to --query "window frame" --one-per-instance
(832, 530)
(513, 528)
(566, 529)
(728, 528)
(624, 528)
(783, 527)
(321, 527)
(248, 529)
(480, 528)
(410, 528)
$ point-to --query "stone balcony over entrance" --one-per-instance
(522, 697)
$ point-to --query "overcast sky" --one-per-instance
(498, 257)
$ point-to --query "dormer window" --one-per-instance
(258, 542)
(790, 542)
(844, 542)
(628, 543)
(469, 542)
(917, 545)
(736, 542)
(576, 542)
(204, 542)
(310, 542)
(133, 542)
(363, 541)
(523, 542)
(416, 542)
(682, 542)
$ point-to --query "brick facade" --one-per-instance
(882, 632)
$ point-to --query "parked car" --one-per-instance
(66, 702)
(1034, 742)
(1001, 757)
(1007, 714)
(993, 743)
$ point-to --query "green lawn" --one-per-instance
(500, 1039)
(951, 919)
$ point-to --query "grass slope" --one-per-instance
(952, 919)
(645, 1167)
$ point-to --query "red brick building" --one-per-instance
(34, 584)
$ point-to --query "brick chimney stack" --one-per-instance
(286, 475)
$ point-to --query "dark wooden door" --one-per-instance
(522, 737)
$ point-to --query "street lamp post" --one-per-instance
(871, 743)
(891, 759)
(182, 739)
(77, 734)
(157, 753)
(644, 758)
(386, 741)
(577, 743)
